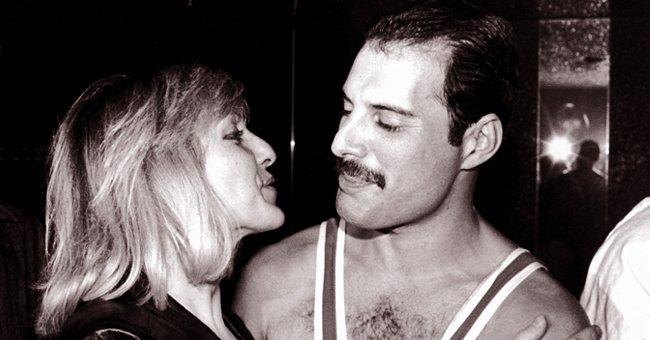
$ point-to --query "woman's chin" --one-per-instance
(268, 223)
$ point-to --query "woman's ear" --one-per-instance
(481, 141)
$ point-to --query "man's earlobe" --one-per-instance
(481, 141)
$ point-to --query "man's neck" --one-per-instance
(440, 241)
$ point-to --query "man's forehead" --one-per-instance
(398, 72)
(437, 50)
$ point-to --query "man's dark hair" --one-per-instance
(589, 150)
(483, 67)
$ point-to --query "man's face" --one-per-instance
(398, 166)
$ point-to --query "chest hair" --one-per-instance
(389, 318)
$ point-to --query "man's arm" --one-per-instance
(539, 295)
(537, 329)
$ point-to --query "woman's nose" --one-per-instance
(264, 153)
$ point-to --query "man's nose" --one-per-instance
(348, 140)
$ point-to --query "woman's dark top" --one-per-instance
(120, 319)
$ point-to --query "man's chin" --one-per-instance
(350, 208)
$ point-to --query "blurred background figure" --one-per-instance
(154, 180)
(21, 259)
(617, 292)
(572, 224)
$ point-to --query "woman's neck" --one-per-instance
(204, 302)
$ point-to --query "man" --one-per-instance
(410, 258)
(572, 219)
(617, 292)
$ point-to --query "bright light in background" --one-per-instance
(559, 148)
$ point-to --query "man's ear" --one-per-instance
(481, 141)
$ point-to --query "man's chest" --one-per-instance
(394, 317)
(372, 313)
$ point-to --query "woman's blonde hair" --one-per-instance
(128, 194)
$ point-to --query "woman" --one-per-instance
(153, 182)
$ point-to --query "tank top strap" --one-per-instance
(518, 266)
(325, 289)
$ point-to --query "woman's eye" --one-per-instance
(236, 136)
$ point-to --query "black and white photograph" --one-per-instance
(325, 169)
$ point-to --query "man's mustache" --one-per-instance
(356, 169)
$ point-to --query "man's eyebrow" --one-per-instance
(387, 107)
(393, 108)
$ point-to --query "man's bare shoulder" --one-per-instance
(540, 294)
(291, 255)
(276, 279)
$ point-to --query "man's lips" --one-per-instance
(350, 182)
(356, 172)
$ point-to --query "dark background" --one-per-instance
(51, 50)
(293, 59)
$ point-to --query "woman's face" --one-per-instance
(236, 165)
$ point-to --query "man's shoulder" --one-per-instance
(634, 228)
(538, 295)
(289, 254)
(277, 280)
